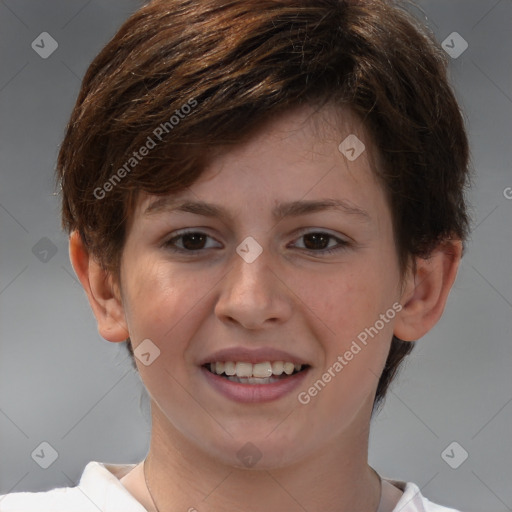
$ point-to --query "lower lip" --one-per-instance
(251, 393)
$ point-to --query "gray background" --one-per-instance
(62, 384)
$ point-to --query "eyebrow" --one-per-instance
(282, 210)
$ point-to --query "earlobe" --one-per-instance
(426, 291)
(101, 291)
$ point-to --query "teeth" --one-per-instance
(278, 368)
(288, 368)
(249, 371)
(262, 370)
(229, 368)
(243, 370)
(253, 380)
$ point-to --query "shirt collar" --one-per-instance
(100, 484)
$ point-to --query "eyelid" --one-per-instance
(325, 231)
(167, 243)
(343, 241)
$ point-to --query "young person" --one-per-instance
(265, 200)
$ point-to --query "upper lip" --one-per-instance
(253, 355)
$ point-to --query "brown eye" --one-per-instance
(316, 241)
(321, 243)
(190, 241)
(193, 241)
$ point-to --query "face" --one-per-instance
(282, 252)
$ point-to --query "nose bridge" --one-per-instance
(251, 294)
(249, 276)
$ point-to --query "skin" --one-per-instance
(313, 305)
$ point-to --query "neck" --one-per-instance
(181, 477)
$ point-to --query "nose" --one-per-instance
(253, 295)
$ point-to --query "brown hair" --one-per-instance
(182, 77)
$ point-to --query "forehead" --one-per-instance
(305, 153)
(309, 132)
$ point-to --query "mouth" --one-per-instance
(266, 372)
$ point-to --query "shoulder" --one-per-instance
(62, 499)
(413, 501)
(99, 489)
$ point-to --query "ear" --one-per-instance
(102, 291)
(426, 290)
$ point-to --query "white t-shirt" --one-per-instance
(100, 489)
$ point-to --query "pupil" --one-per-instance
(196, 239)
(320, 241)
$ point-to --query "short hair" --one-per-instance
(182, 78)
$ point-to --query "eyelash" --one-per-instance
(342, 244)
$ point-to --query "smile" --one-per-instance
(254, 382)
(258, 373)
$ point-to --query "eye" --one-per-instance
(320, 242)
(189, 241)
(317, 242)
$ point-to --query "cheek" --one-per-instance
(345, 301)
(363, 325)
(163, 301)
(344, 309)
